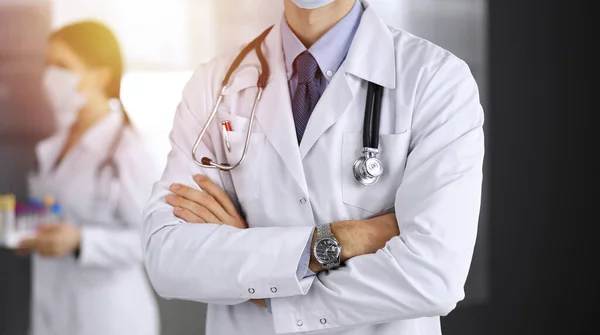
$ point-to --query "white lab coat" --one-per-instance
(105, 291)
(432, 148)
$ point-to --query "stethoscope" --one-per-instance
(106, 174)
(367, 168)
(107, 190)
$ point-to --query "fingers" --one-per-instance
(40, 244)
(187, 216)
(217, 193)
(51, 228)
(26, 246)
(184, 206)
(47, 245)
(23, 252)
(46, 228)
(203, 199)
(28, 243)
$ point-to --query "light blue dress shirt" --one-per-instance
(329, 51)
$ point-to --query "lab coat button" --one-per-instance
(274, 289)
(299, 323)
(329, 73)
(251, 290)
(323, 321)
(303, 201)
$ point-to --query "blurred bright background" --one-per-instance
(163, 42)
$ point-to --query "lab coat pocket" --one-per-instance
(393, 151)
(238, 123)
(245, 176)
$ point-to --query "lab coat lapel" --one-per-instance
(329, 109)
(372, 55)
(274, 112)
(372, 58)
(47, 152)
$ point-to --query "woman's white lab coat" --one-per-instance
(432, 148)
(104, 291)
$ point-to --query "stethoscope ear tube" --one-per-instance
(263, 78)
(255, 45)
(107, 183)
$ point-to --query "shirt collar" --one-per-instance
(330, 50)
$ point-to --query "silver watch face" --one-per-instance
(327, 250)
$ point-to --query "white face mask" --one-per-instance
(61, 88)
(311, 4)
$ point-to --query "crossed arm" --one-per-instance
(357, 237)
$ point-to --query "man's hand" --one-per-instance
(357, 238)
(365, 236)
(259, 302)
(53, 240)
(214, 206)
(360, 237)
(211, 206)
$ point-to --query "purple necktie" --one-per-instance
(307, 92)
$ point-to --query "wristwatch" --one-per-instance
(327, 249)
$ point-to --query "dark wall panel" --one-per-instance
(538, 128)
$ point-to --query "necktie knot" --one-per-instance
(306, 67)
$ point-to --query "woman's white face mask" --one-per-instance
(61, 88)
(311, 4)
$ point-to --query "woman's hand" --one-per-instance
(211, 206)
(54, 240)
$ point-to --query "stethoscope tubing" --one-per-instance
(372, 116)
(370, 126)
(263, 78)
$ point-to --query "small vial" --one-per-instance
(43, 217)
(55, 214)
(35, 203)
(49, 201)
(7, 218)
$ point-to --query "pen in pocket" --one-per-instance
(226, 127)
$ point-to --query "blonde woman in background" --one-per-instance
(88, 277)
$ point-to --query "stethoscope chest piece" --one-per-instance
(368, 168)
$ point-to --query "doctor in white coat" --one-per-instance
(245, 241)
(88, 276)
